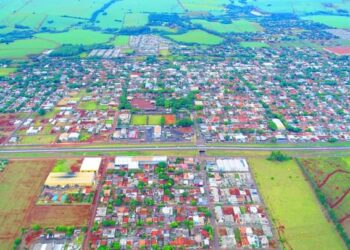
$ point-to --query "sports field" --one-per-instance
(293, 207)
(237, 26)
(197, 37)
(21, 178)
(139, 120)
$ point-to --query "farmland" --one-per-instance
(294, 208)
(19, 177)
(212, 6)
(25, 47)
(84, 37)
(135, 19)
(197, 37)
(332, 177)
(237, 26)
(340, 22)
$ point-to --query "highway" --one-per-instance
(161, 148)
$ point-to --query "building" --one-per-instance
(137, 162)
(230, 165)
(91, 164)
(81, 179)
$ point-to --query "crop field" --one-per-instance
(332, 176)
(24, 178)
(293, 207)
(7, 71)
(84, 37)
(340, 22)
(25, 47)
(237, 26)
(197, 37)
(254, 45)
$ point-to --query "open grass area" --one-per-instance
(139, 120)
(197, 37)
(20, 184)
(63, 165)
(293, 206)
(135, 20)
(254, 45)
(204, 5)
(76, 37)
(38, 139)
(89, 105)
(154, 119)
(7, 71)
(237, 26)
(22, 48)
(121, 41)
(340, 22)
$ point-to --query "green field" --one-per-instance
(25, 47)
(38, 139)
(293, 206)
(254, 45)
(84, 37)
(135, 20)
(139, 120)
(89, 106)
(154, 119)
(237, 26)
(212, 6)
(7, 71)
(340, 22)
(197, 37)
(62, 166)
(121, 41)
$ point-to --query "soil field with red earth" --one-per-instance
(332, 176)
(340, 51)
(20, 185)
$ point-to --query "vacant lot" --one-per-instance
(293, 206)
(7, 71)
(20, 185)
(52, 216)
(198, 37)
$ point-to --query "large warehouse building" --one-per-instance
(81, 179)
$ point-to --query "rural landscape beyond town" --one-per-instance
(174, 124)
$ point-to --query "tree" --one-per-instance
(36, 227)
(186, 122)
(162, 121)
(41, 112)
(272, 125)
(278, 156)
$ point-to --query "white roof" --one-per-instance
(91, 164)
(232, 165)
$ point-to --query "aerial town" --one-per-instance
(174, 124)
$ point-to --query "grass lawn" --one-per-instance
(204, 5)
(7, 71)
(20, 184)
(89, 106)
(121, 40)
(254, 45)
(84, 37)
(237, 26)
(139, 120)
(63, 166)
(197, 37)
(340, 22)
(38, 139)
(292, 204)
(154, 119)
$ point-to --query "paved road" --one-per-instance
(160, 148)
